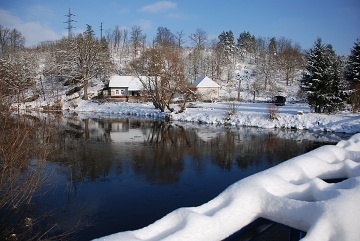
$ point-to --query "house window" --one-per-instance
(117, 92)
(122, 92)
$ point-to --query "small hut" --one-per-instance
(206, 87)
(279, 100)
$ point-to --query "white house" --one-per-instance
(121, 86)
(206, 87)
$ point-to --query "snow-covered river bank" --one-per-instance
(295, 116)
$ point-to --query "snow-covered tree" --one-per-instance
(119, 46)
(197, 56)
(322, 82)
(229, 53)
(265, 60)
(217, 60)
(352, 74)
(80, 59)
(227, 42)
(246, 44)
(17, 75)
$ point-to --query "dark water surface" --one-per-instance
(106, 175)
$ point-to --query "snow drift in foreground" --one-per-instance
(293, 193)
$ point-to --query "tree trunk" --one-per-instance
(239, 89)
(86, 82)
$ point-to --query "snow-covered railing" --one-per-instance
(293, 193)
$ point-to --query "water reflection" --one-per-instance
(102, 170)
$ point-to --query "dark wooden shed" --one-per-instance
(279, 100)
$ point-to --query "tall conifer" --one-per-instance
(322, 82)
(352, 75)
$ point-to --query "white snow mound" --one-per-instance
(293, 193)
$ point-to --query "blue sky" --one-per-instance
(337, 22)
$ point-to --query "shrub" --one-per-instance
(273, 112)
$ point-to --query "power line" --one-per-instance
(101, 30)
(69, 21)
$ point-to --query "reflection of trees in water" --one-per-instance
(161, 158)
(84, 150)
(163, 147)
(248, 147)
(83, 153)
(25, 143)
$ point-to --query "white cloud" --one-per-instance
(160, 6)
(34, 32)
(8, 20)
(145, 24)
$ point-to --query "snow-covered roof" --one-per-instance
(293, 193)
(124, 81)
(205, 82)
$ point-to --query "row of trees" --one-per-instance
(216, 58)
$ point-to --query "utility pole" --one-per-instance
(101, 30)
(69, 21)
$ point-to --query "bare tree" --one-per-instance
(4, 39)
(118, 45)
(180, 39)
(137, 39)
(265, 59)
(164, 37)
(11, 40)
(217, 60)
(161, 72)
(199, 39)
(197, 56)
(290, 59)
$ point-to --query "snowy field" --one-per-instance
(293, 193)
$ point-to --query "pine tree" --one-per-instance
(352, 75)
(322, 83)
(227, 41)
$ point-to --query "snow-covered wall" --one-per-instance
(293, 193)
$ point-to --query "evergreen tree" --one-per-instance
(227, 41)
(246, 43)
(272, 49)
(322, 83)
(352, 75)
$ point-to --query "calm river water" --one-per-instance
(106, 175)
